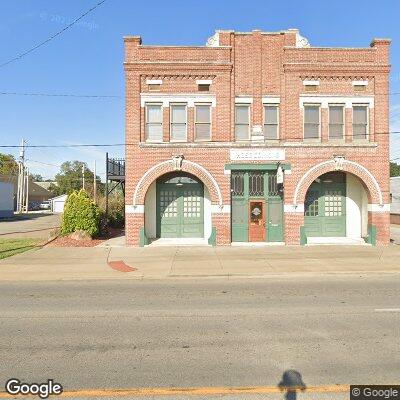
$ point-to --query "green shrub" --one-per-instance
(116, 210)
(80, 213)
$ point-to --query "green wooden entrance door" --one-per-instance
(325, 209)
(180, 210)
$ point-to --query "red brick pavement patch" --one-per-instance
(120, 266)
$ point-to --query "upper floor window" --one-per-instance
(242, 121)
(310, 86)
(202, 122)
(311, 121)
(204, 87)
(178, 122)
(336, 121)
(271, 122)
(154, 87)
(360, 122)
(154, 122)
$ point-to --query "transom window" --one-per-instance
(242, 122)
(203, 87)
(178, 122)
(336, 121)
(273, 189)
(177, 178)
(311, 121)
(271, 122)
(360, 122)
(237, 183)
(154, 122)
(203, 121)
(256, 183)
(154, 87)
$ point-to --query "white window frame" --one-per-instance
(344, 120)
(318, 139)
(276, 105)
(146, 118)
(171, 123)
(202, 123)
(248, 105)
(367, 134)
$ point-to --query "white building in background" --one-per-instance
(58, 203)
(6, 200)
(395, 200)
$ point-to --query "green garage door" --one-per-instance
(325, 209)
(180, 210)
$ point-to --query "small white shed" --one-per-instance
(6, 200)
(58, 203)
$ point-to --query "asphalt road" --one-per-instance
(33, 225)
(207, 333)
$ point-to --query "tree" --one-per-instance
(394, 169)
(8, 165)
(37, 178)
(70, 178)
(80, 214)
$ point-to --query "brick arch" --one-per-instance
(373, 190)
(168, 166)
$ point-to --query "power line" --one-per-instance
(137, 143)
(19, 56)
(43, 163)
(61, 95)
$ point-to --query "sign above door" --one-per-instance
(257, 155)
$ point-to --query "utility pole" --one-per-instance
(21, 178)
(27, 191)
(83, 176)
(94, 183)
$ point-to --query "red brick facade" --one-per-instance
(258, 67)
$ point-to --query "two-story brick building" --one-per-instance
(257, 137)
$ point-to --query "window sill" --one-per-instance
(312, 140)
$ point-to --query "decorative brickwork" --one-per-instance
(259, 67)
(168, 166)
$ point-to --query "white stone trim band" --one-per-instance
(166, 99)
(154, 81)
(294, 208)
(359, 83)
(379, 207)
(270, 100)
(224, 209)
(131, 209)
(326, 100)
(203, 82)
(309, 83)
(243, 100)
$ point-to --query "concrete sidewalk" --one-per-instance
(52, 263)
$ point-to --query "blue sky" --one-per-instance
(88, 59)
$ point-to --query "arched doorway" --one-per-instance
(176, 206)
(336, 206)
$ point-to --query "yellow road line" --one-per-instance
(195, 391)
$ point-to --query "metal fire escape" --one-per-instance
(115, 176)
